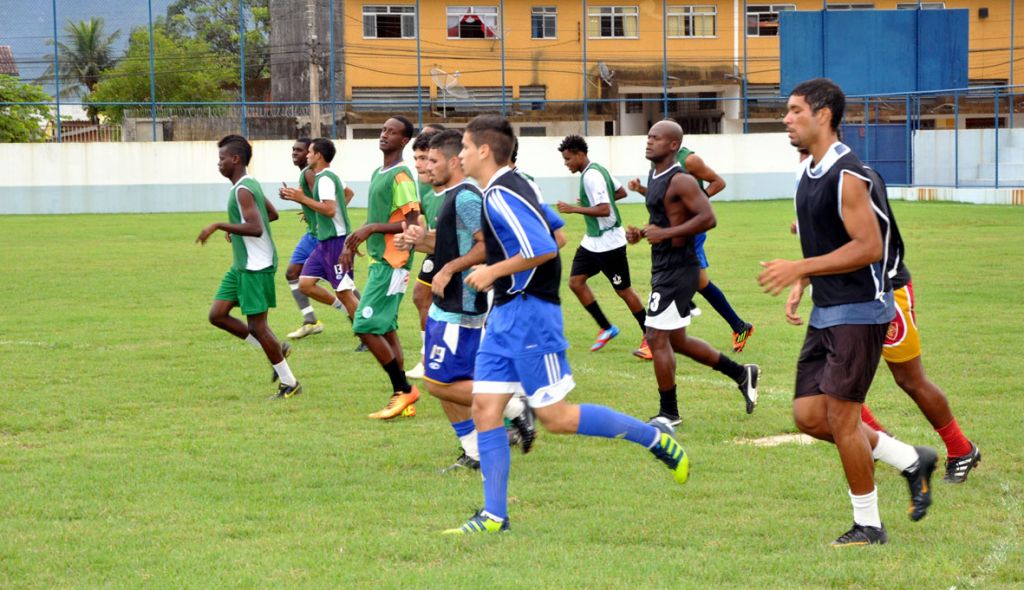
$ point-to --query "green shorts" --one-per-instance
(253, 291)
(378, 306)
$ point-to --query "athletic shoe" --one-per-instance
(862, 535)
(672, 419)
(464, 462)
(670, 452)
(361, 348)
(399, 401)
(694, 310)
(409, 411)
(514, 437)
(739, 339)
(481, 522)
(748, 387)
(919, 478)
(644, 352)
(525, 428)
(957, 468)
(603, 337)
(307, 330)
(415, 372)
(287, 391)
(286, 350)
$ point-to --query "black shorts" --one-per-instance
(427, 271)
(613, 263)
(668, 307)
(840, 361)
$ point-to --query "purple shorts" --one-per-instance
(323, 264)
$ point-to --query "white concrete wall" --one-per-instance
(938, 154)
(182, 176)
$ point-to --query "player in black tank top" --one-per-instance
(678, 211)
(841, 232)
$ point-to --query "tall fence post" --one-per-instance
(997, 137)
(584, 23)
(152, 73)
(909, 130)
(419, 73)
(241, 51)
(746, 121)
(956, 139)
(56, 69)
(501, 31)
(334, 102)
(1013, 39)
(664, 59)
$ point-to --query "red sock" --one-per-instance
(957, 444)
(868, 418)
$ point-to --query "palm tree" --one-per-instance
(83, 58)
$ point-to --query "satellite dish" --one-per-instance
(605, 73)
(448, 85)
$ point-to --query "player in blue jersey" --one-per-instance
(523, 347)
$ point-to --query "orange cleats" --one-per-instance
(398, 403)
(644, 352)
(409, 411)
(739, 339)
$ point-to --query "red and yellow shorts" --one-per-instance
(902, 341)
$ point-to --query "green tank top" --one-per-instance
(251, 253)
(681, 158)
(594, 228)
(309, 213)
(339, 225)
(390, 190)
(430, 204)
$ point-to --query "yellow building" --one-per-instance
(618, 57)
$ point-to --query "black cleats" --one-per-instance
(919, 478)
(748, 387)
(957, 468)
(862, 535)
(463, 463)
(287, 391)
(673, 420)
(525, 428)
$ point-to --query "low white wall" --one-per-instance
(182, 176)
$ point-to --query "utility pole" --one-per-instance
(314, 72)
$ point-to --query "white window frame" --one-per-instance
(775, 9)
(486, 13)
(546, 14)
(688, 12)
(614, 13)
(371, 11)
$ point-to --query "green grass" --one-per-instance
(137, 447)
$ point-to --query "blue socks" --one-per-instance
(718, 301)
(495, 462)
(463, 428)
(607, 423)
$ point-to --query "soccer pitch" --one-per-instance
(138, 447)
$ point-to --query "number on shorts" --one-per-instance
(655, 301)
(437, 354)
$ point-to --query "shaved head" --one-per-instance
(669, 129)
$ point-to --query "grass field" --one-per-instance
(138, 449)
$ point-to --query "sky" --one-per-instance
(27, 25)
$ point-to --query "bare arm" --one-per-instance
(251, 228)
(349, 193)
(482, 278)
(686, 204)
(602, 210)
(272, 214)
(696, 166)
(620, 193)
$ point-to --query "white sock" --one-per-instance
(514, 407)
(469, 445)
(285, 373)
(423, 343)
(865, 509)
(252, 340)
(893, 452)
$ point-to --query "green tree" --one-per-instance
(85, 54)
(216, 22)
(22, 122)
(184, 72)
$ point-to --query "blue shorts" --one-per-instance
(323, 264)
(303, 249)
(698, 246)
(450, 351)
(544, 378)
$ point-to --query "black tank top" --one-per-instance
(818, 209)
(446, 249)
(899, 274)
(664, 255)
